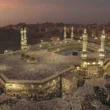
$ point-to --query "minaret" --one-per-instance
(65, 33)
(84, 48)
(102, 48)
(72, 35)
(23, 39)
(25, 33)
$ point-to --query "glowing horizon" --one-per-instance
(37, 11)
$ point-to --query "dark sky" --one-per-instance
(67, 11)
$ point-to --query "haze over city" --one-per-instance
(67, 11)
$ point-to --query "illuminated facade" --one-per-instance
(58, 83)
(93, 68)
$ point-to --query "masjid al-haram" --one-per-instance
(54, 55)
(54, 67)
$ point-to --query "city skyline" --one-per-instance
(72, 11)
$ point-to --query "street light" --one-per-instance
(41, 41)
(40, 46)
(49, 44)
(58, 49)
(65, 42)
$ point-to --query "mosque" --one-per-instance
(42, 69)
(93, 64)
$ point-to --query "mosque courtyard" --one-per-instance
(47, 64)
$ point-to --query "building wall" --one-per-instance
(63, 83)
(94, 71)
(32, 89)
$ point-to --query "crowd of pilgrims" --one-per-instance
(47, 64)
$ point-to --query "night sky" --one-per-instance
(67, 11)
